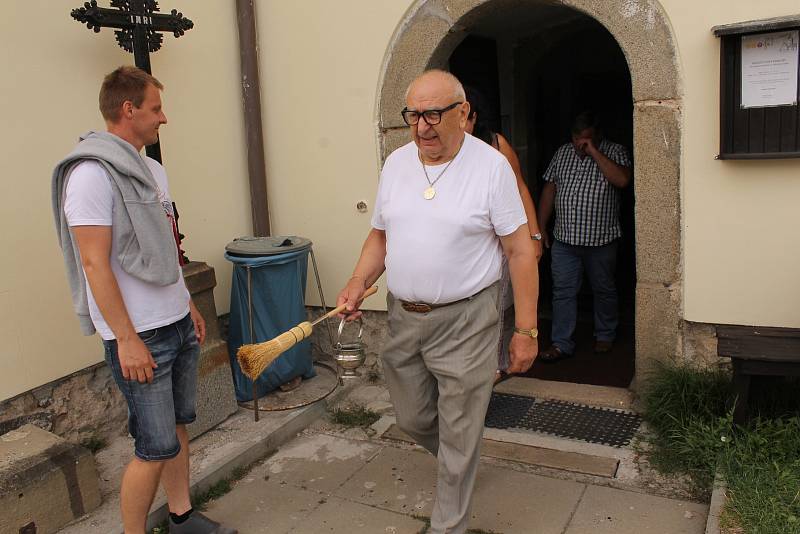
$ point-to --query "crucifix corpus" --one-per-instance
(138, 27)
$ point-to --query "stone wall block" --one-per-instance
(657, 151)
(83, 405)
(700, 345)
(643, 32)
(45, 482)
(393, 139)
(216, 399)
(658, 328)
(409, 58)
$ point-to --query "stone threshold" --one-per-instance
(590, 395)
(236, 443)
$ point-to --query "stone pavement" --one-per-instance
(331, 479)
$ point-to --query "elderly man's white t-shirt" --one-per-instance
(446, 249)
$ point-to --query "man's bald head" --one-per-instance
(441, 92)
(440, 78)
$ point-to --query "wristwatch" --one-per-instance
(531, 333)
(537, 236)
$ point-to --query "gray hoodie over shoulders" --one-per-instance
(140, 228)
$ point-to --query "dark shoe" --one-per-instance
(552, 355)
(601, 347)
(199, 524)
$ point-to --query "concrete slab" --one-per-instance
(504, 501)
(520, 503)
(531, 455)
(588, 394)
(257, 506)
(318, 462)
(339, 515)
(399, 480)
(607, 510)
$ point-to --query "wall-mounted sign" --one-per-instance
(769, 69)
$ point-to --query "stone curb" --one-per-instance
(717, 504)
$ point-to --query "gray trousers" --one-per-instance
(439, 367)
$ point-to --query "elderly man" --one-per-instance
(447, 209)
(584, 182)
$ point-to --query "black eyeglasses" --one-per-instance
(431, 116)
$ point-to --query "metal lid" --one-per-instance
(266, 246)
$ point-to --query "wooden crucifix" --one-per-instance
(138, 27)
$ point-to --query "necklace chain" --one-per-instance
(424, 170)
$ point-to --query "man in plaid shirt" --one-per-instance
(584, 182)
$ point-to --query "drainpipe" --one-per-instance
(251, 101)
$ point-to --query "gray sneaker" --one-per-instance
(199, 524)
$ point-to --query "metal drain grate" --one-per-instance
(507, 411)
(575, 421)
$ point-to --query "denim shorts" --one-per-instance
(155, 408)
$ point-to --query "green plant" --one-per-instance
(94, 444)
(354, 416)
(692, 433)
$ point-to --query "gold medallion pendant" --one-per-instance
(429, 193)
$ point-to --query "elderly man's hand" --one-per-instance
(351, 296)
(523, 350)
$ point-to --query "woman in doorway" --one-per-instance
(478, 126)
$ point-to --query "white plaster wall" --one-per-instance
(319, 75)
(742, 246)
(52, 70)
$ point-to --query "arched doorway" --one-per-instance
(433, 29)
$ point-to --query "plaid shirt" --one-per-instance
(586, 204)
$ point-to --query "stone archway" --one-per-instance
(430, 32)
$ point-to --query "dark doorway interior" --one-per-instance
(563, 64)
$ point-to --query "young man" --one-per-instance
(117, 231)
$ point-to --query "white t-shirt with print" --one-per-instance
(446, 249)
(89, 201)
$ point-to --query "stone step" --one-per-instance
(45, 481)
(588, 394)
(531, 455)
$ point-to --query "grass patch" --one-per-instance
(373, 376)
(94, 444)
(689, 413)
(354, 416)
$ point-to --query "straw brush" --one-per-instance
(253, 359)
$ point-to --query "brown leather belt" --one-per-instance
(422, 307)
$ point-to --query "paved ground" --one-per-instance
(335, 479)
(349, 481)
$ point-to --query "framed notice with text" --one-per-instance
(760, 89)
